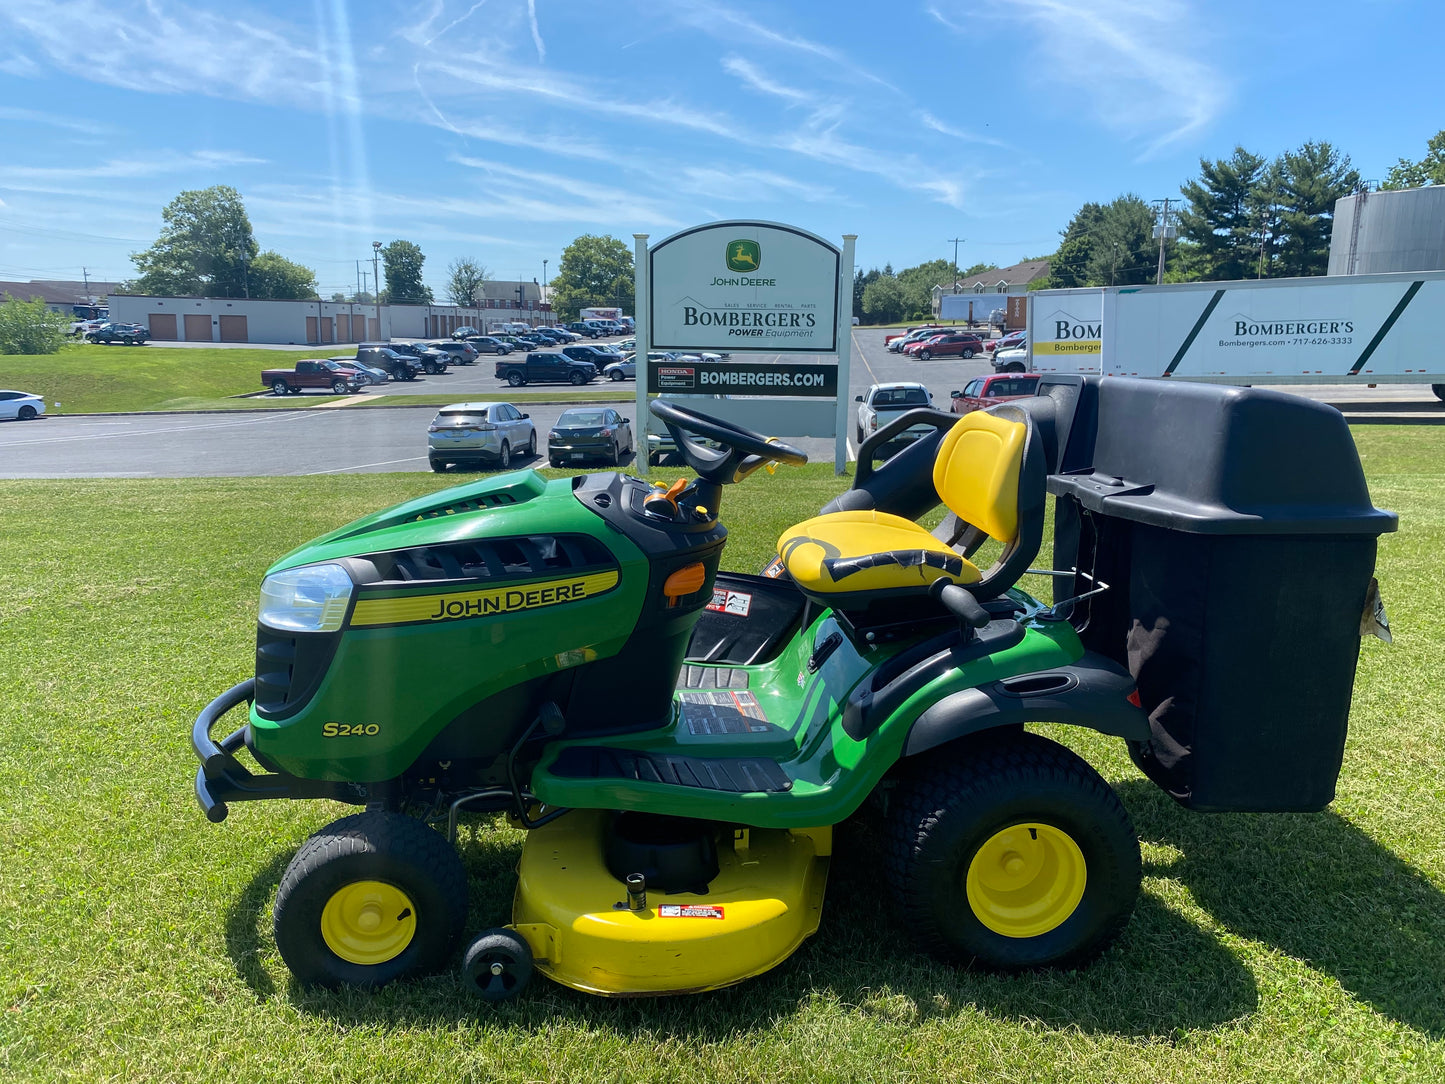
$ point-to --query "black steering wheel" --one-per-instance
(742, 451)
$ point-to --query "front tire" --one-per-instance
(1014, 367)
(338, 387)
(578, 379)
(370, 899)
(616, 375)
(967, 353)
(1013, 854)
(27, 414)
(924, 355)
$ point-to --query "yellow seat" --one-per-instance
(988, 471)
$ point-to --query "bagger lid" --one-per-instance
(1209, 459)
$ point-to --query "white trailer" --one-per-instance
(1356, 329)
(600, 314)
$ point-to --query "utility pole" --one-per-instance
(376, 281)
(86, 276)
(544, 282)
(955, 242)
(1164, 231)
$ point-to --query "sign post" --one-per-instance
(641, 424)
(845, 353)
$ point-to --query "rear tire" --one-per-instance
(279, 387)
(504, 458)
(1013, 854)
(1439, 390)
(532, 444)
(439, 466)
(516, 379)
(615, 459)
(369, 899)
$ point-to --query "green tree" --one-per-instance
(1312, 178)
(861, 282)
(203, 248)
(1428, 170)
(1220, 220)
(30, 327)
(594, 271)
(401, 263)
(1070, 265)
(464, 278)
(1124, 251)
(884, 299)
(918, 283)
(976, 269)
(338, 296)
(272, 275)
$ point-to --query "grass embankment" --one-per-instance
(592, 393)
(135, 938)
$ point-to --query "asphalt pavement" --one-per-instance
(312, 441)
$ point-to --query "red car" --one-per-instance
(950, 343)
(986, 391)
(1007, 342)
(891, 340)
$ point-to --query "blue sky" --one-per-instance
(501, 129)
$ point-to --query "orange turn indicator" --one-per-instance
(685, 581)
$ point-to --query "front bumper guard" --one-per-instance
(222, 778)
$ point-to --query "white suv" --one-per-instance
(476, 433)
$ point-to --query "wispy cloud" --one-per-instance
(753, 77)
(51, 120)
(750, 185)
(930, 121)
(1137, 62)
(536, 34)
(18, 64)
(154, 164)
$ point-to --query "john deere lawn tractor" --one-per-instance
(680, 743)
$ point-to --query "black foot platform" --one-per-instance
(741, 775)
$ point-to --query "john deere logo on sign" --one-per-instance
(744, 256)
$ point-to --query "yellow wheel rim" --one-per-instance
(368, 922)
(1026, 880)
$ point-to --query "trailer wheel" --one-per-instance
(1439, 390)
(369, 899)
(1014, 854)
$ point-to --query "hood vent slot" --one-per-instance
(474, 504)
(494, 558)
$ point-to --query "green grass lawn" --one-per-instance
(135, 937)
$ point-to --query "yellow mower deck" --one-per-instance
(766, 899)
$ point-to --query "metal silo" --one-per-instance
(1381, 232)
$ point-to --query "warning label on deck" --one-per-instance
(722, 711)
(690, 910)
(737, 603)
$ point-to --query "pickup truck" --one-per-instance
(884, 402)
(545, 367)
(326, 375)
(379, 356)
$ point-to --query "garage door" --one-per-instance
(233, 329)
(327, 335)
(198, 328)
(162, 326)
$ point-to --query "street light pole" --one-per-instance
(376, 283)
(544, 282)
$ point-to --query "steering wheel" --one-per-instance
(743, 451)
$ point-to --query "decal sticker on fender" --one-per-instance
(690, 910)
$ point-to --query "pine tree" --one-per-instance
(1312, 178)
(1220, 219)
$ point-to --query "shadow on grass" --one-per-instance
(1314, 887)
(1163, 978)
(244, 941)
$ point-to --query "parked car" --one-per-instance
(950, 344)
(129, 334)
(382, 356)
(585, 329)
(626, 369)
(553, 335)
(79, 329)
(489, 344)
(324, 374)
(600, 356)
(1013, 360)
(20, 406)
(896, 342)
(1006, 342)
(433, 361)
(884, 402)
(479, 433)
(459, 353)
(627, 346)
(590, 433)
(370, 373)
(986, 391)
(466, 331)
(546, 367)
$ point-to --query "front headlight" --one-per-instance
(312, 598)
(554, 435)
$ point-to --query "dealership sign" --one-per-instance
(756, 287)
(744, 378)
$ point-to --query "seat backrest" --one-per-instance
(976, 472)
